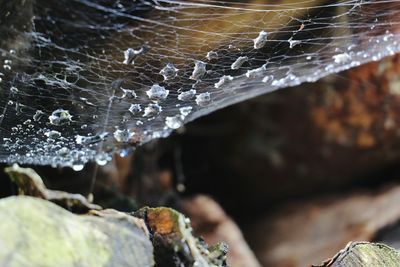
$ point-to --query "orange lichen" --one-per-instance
(161, 221)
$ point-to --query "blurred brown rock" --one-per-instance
(303, 233)
(211, 222)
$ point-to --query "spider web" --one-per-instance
(83, 79)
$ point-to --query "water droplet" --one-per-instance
(123, 135)
(63, 152)
(199, 70)
(38, 115)
(174, 122)
(351, 47)
(60, 117)
(239, 62)
(14, 90)
(7, 67)
(186, 96)
(223, 80)
(12, 51)
(212, 55)
(330, 67)
(128, 93)
(267, 78)
(91, 139)
(157, 92)
(78, 166)
(130, 54)
(387, 36)
(124, 152)
(203, 99)
(169, 72)
(341, 58)
(102, 158)
(279, 82)
(261, 40)
(258, 72)
(53, 134)
(7, 62)
(152, 110)
(185, 111)
(135, 108)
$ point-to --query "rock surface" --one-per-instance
(29, 183)
(364, 254)
(35, 232)
(307, 232)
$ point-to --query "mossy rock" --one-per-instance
(36, 232)
(365, 254)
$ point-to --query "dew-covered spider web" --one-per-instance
(83, 79)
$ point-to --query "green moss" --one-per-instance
(46, 235)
